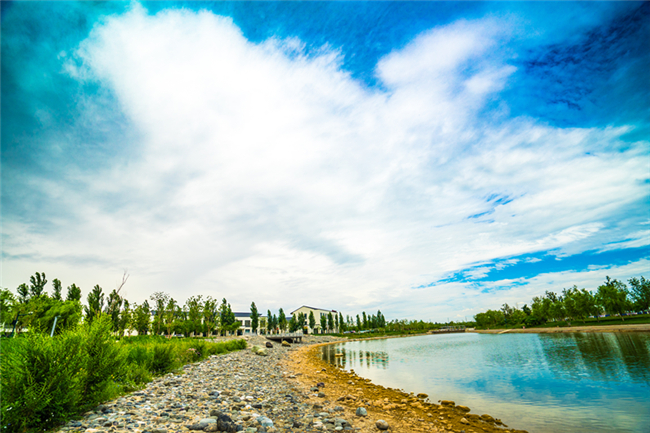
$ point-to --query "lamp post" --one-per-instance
(18, 316)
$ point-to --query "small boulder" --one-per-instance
(361, 411)
(286, 343)
(269, 344)
(447, 403)
(487, 418)
(464, 421)
(463, 408)
(381, 424)
(422, 395)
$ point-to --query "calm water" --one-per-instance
(591, 382)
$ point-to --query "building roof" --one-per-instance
(246, 315)
(312, 308)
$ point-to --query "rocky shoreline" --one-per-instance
(285, 388)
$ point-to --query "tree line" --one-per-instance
(35, 309)
(613, 297)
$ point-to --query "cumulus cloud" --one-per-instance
(262, 173)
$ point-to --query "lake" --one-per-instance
(595, 382)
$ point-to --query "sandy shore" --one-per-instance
(604, 328)
(403, 412)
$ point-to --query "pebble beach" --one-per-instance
(284, 388)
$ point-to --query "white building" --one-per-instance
(318, 312)
(245, 327)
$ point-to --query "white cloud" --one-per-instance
(264, 174)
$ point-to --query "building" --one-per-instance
(245, 327)
(318, 312)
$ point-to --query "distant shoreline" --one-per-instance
(645, 327)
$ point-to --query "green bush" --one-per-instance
(42, 380)
(105, 361)
(163, 359)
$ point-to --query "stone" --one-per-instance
(269, 344)
(423, 395)
(463, 408)
(381, 424)
(464, 421)
(286, 343)
(361, 411)
(321, 394)
(487, 418)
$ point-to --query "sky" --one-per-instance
(427, 159)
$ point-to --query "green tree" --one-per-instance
(95, 304)
(160, 300)
(302, 321)
(7, 305)
(23, 293)
(323, 323)
(264, 325)
(640, 293)
(364, 323)
(269, 321)
(56, 294)
(312, 321)
(194, 308)
(255, 317)
(141, 319)
(125, 318)
(341, 323)
(37, 284)
(613, 297)
(74, 293)
(358, 323)
(330, 322)
(282, 320)
(170, 315)
(227, 321)
(293, 324)
(113, 308)
(210, 315)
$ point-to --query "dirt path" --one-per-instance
(403, 412)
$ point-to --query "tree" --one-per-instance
(255, 317)
(264, 325)
(227, 321)
(74, 293)
(210, 315)
(323, 323)
(341, 323)
(293, 324)
(56, 284)
(364, 324)
(312, 321)
(160, 300)
(282, 320)
(95, 304)
(330, 322)
(7, 305)
(381, 319)
(640, 293)
(141, 318)
(302, 321)
(113, 307)
(194, 309)
(269, 324)
(358, 323)
(613, 297)
(37, 286)
(23, 293)
(125, 319)
(170, 315)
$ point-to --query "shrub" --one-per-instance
(42, 380)
(163, 359)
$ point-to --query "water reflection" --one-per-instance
(598, 356)
(596, 382)
(337, 355)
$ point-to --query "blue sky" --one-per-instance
(431, 159)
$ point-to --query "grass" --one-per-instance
(46, 381)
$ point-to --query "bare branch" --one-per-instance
(124, 278)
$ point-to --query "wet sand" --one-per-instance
(402, 411)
